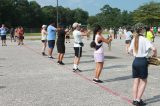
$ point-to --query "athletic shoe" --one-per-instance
(97, 81)
(43, 54)
(142, 102)
(136, 103)
(61, 63)
(51, 57)
(78, 70)
(58, 62)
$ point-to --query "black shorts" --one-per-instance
(3, 37)
(51, 44)
(128, 41)
(140, 68)
(60, 47)
(43, 41)
(78, 51)
(21, 37)
(67, 37)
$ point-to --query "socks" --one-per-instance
(75, 66)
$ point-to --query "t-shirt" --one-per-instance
(3, 31)
(44, 34)
(51, 32)
(154, 29)
(128, 35)
(149, 36)
(100, 50)
(77, 38)
(61, 36)
(143, 47)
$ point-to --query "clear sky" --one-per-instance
(93, 6)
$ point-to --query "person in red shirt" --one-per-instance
(20, 35)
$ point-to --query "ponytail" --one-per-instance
(136, 43)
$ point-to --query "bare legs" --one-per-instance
(44, 48)
(139, 86)
(98, 70)
(4, 43)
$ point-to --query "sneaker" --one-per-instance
(58, 62)
(43, 54)
(97, 81)
(142, 103)
(61, 63)
(135, 102)
(51, 57)
(78, 70)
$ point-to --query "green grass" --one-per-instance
(32, 34)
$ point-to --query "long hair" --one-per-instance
(96, 29)
(136, 42)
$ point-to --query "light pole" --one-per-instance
(57, 13)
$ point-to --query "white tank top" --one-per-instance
(100, 50)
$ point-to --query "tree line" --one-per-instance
(30, 14)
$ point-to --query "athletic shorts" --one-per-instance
(43, 41)
(67, 37)
(21, 37)
(99, 57)
(60, 47)
(140, 68)
(78, 51)
(128, 41)
(51, 44)
(3, 37)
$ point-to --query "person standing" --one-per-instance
(149, 35)
(78, 44)
(128, 36)
(44, 38)
(51, 30)
(140, 48)
(20, 36)
(67, 35)
(98, 40)
(3, 33)
(61, 44)
(12, 34)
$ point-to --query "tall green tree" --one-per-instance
(148, 14)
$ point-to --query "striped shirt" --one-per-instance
(3, 31)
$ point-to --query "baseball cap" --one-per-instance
(76, 24)
(44, 26)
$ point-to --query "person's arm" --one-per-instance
(130, 50)
(108, 40)
(85, 33)
(154, 52)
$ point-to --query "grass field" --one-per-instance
(32, 34)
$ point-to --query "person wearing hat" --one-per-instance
(44, 38)
(78, 44)
(140, 47)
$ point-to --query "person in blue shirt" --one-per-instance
(3, 33)
(51, 30)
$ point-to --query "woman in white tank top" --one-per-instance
(99, 52)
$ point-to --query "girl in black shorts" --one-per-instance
(61, 44)
(139, 46)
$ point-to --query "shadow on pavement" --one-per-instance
(2, 87)
(109, 67)
(111, 57)
(153, 99)
(89, 61)
(2, 58)
(118, 79)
